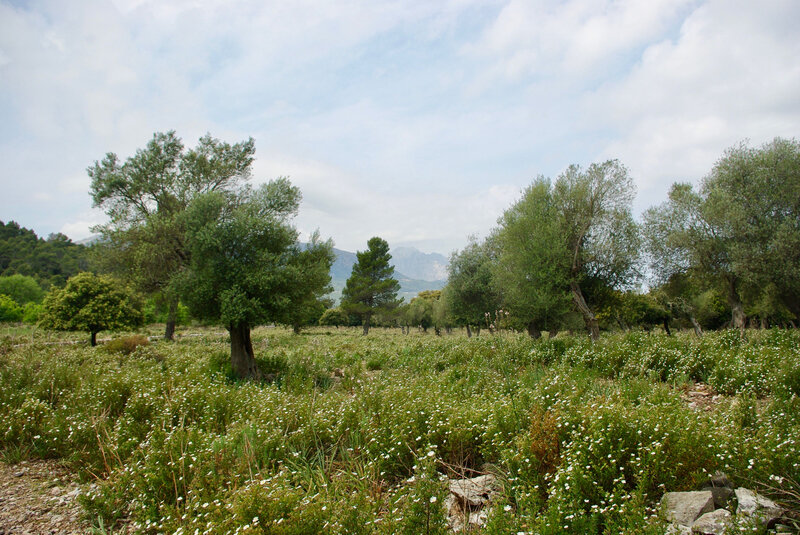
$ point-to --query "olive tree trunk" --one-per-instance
(533, 330)
(366, 324)
(666, 327)
(738, 317)
(172, 315)
(588, 316)
(94, 338)
(243, 359)
(698, 331)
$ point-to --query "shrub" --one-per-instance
(10, 309)
(91, 303)
(127, 344)
(174, 444)
(31, 313)
(21, 288)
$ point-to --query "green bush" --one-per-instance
(10, 309)
(21, 288)
(31, 313)
(127, 344)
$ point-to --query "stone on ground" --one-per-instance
(685, 507)
(713, 523)
(757, 506)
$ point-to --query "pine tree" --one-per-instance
(371, 287)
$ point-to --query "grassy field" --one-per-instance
(360, 434)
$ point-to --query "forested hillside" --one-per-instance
(50, 261)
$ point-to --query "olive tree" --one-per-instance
(421, 309)
(738, 232)
(598, 231)
(246, 267)
(533, 261)
(754, 197)
(685, 237)
(567, 238)
(144, 198)
(470, 291)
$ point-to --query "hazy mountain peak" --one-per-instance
(418, 265)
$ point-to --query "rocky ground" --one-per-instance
(39, 497)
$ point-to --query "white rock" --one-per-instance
(686, 507)
(474, 492)
(677, 529)
(713, 523)
(757, 506)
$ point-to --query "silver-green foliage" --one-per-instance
(738, 231)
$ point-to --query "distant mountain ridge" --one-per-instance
(419, 265)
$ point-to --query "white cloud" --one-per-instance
(576, 38)
(80, 229)
(341, 206)
(731, 74)
(418, 121)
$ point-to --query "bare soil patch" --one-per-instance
(39, 497)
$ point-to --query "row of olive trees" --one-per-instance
(570, 249)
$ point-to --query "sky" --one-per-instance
(416, 121)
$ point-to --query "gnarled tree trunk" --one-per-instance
(469, 331)
(738, 317)
(243, 359)
(366, 324)
(534, 331)
(588, 316)
(666, 327)
(94, 338)
(172, 315)
(697, 329)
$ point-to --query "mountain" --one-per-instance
(419, 265)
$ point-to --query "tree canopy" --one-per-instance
(145, 196)
(91, 303)
(246, 267)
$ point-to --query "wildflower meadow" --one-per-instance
(351, 434)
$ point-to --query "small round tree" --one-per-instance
(334, 317)
(90, 303)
